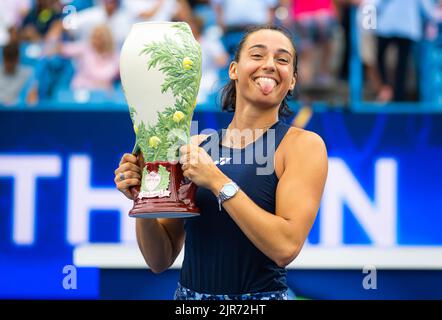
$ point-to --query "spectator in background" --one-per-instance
(214, 57)
(12, 13)
(195, 3)
(13, 76)
(368, 50)
(343, 9)
(159, 10)
(367, 41)
(314, 22)
(234, 17)
(108, 12)
(399, 23)
(80, 4)
(96, 61)
(433, 28)
(43, 16)
(151, 10)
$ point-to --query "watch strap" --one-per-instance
(223, 197)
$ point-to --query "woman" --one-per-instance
(40, 21)
(97, 62)
(240, 251)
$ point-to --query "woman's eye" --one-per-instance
(256, 55)
(283, 60)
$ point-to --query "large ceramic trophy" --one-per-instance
(160, 66)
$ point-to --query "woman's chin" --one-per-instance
(272, 98)
(267, 101)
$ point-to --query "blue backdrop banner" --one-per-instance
(384, 190)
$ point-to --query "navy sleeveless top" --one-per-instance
(218, 257)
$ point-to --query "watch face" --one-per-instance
(229, 190)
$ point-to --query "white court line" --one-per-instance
(122, 256)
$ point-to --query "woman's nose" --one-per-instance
(269, 64)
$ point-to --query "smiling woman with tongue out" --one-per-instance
(263, 73)
(254, 218)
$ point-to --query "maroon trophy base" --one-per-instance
(179, 204)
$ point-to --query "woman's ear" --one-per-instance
(232, 71)
(292, 84)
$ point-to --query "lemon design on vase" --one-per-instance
(187, 63)
(178, 116)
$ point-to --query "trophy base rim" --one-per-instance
(154, 215)
(156, 208)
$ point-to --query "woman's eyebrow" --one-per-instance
(284, 51)
(261, 46)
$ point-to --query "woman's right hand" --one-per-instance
(128, 174)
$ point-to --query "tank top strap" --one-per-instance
(281, 129)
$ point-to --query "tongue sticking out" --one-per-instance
(266, 85)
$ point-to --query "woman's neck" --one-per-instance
(248, 117)
(247, 125)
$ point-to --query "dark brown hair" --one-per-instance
(11, 52)
(228, 93)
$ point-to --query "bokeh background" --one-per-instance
(370, 83)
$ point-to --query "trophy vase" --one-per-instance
(160, 68)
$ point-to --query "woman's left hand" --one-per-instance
(198, 166)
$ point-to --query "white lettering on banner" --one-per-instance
(377, 218)
(82, 199)
(25, 170)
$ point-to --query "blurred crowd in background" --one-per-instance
(68, 51)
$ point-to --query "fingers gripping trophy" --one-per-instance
(160, 66)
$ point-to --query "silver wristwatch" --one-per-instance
(227, 191)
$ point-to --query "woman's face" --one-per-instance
(100, 39)
(264, 73)
(97, 39)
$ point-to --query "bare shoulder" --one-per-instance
(299, 143)
(198, 139)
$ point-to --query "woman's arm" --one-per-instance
(279, 236)
(72, 49)
(160, 240)
(147, 14)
